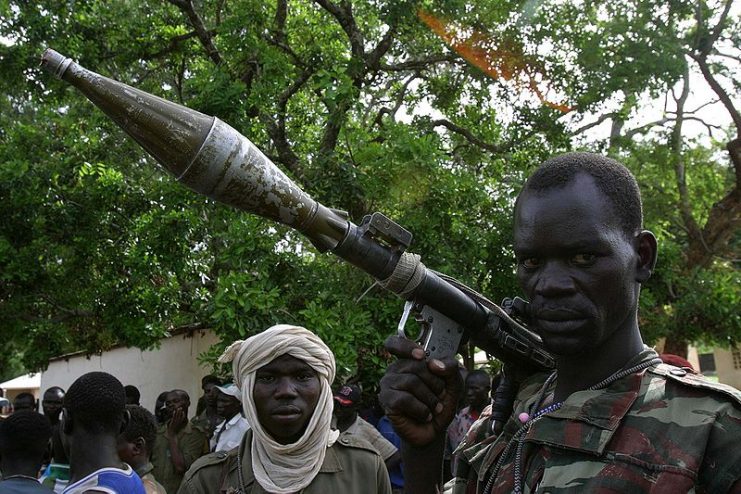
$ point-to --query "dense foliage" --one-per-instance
(431, 112)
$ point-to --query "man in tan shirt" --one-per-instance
(284, 375)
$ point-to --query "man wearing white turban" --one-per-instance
(284, 375)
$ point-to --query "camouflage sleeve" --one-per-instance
(721, 467)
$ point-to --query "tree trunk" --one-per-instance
(676, 346)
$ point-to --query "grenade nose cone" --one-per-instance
(54, 62)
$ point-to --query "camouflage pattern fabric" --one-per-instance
(661, 430)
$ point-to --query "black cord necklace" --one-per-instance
(528, 421)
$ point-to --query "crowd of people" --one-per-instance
(98, 438)
(612, 417)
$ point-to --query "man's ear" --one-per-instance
(140, 445)
(66, 422)
(647, 250)
(125, 421)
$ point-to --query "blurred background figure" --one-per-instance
(206, 416)
(348, 422)
(24, 401)
(160, 410)
(132, 394)
(24, 439)
(56, 473)
(230, 431)
(135, 446)
(178, 443)
(477, 393)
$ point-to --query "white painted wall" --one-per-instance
(728, 366)
(172, 366)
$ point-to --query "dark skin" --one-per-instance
(286, 393)
(478, 387)
(24, 402)
(582, 273)
(227, 406)
(346, 416)
(135, 453)
(51, 404)
(87, 451)
(177, 403)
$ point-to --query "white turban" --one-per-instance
(285, 468)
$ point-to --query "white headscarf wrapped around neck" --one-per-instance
(285, 468)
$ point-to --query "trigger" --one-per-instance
(404, 317)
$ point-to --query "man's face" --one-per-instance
(577, 267)
(344, 412)
(127, 451)
(210, 393)
(226, 406)
(51, 403)
(286, 393)
(477, 391)
(176, 400)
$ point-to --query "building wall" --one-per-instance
(728, 366)
(174, 365)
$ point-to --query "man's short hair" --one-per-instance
(183, 394)
(25, 436)
(96, 402)
(132, 394)
(53, 389)
(210, 379)
(478, 374)
(141, 424)
(611, 177)
(25, 397)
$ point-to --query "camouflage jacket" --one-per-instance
(660, 430)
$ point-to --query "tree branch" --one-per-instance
(467, 134)
(597, 122)
(418, 64)
(204, 35)
(685, 207)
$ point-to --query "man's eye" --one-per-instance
(584, 259)
(530, 262)
(265, 379)
(306, 376)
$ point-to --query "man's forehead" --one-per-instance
(283, 362)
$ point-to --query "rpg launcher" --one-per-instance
(213, 159)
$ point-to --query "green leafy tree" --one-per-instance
(369, 106)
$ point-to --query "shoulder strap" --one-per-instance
(680, 375)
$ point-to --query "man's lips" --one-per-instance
(558, 320)
(286, 411)
(558, 315)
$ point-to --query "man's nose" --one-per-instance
(285, 388)
(554, 279)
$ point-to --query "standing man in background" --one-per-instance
(230, 431)
(24, 438)
(349, 423)
(135, 446)
(93, 416)
(178, 443)
(477, 391)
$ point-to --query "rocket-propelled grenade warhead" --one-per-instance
(204, 153)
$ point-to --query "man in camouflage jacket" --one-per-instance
(612, 417)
